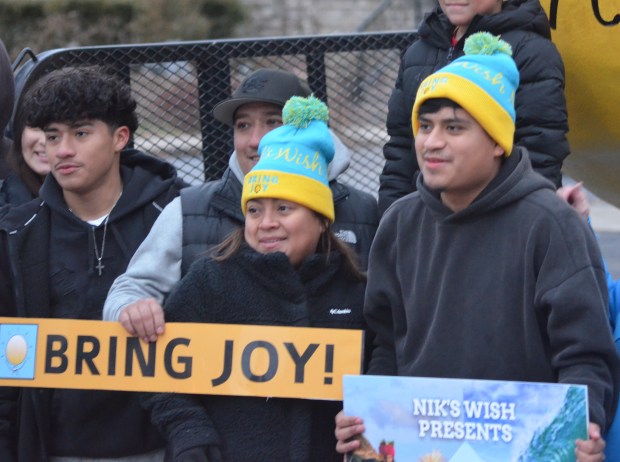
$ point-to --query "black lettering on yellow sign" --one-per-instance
(299, 360)
(88, 348)
(553, 14)
(58, 353)
(329, 363)
(272, 364)
(224, 376)
(134, 349)
(185, 361)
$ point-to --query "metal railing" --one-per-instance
(177, 84)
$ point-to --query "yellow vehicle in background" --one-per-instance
(587, 33)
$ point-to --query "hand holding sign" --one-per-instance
(144, 318)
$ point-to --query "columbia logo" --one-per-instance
(346, 235)
(340, 311)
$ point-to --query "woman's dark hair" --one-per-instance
(15, 158)
(328, 242)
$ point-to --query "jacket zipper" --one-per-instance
(450, 53)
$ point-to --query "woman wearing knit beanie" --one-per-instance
(285, 268)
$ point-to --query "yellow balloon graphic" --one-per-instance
(16, 350)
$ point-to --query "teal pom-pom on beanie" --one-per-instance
(485, 43)
(299, 111)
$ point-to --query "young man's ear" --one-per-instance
(121, 137)
(499, 151)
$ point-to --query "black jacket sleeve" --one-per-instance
(183, 421)
(540, 105)
(399, 171)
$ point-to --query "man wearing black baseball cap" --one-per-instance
(192, 224)
(265, 86)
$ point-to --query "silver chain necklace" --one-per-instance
(99, 256)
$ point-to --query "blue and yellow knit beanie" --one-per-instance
(483, 82)
(294, 158)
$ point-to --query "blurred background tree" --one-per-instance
(46, 24)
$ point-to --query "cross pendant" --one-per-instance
(99, 267)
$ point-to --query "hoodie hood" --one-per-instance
(7, 97)
(144, 179)
(516, 15)
(515, 180)
(341, 160)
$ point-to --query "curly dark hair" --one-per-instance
(74, 94)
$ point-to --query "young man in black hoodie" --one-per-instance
(60, 253)
(486, 273)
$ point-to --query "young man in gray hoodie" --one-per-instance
(205, 214)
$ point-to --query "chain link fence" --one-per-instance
(177, 84)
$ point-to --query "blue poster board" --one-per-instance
(454, 420)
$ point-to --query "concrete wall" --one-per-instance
(268, 18)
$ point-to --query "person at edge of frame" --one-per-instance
(577, 198)
(60, 253)
(485, 273)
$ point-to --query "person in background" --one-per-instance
(204, 215)
(541, 121)
(286, 267)
(60, 253)
(27, 161)
(485, 273)
(7, 97)
(577, 198)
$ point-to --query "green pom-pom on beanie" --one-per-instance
(485, 43)
(299, 111)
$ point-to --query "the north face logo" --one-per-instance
(346, 235)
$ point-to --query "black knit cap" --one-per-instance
(261, 86)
